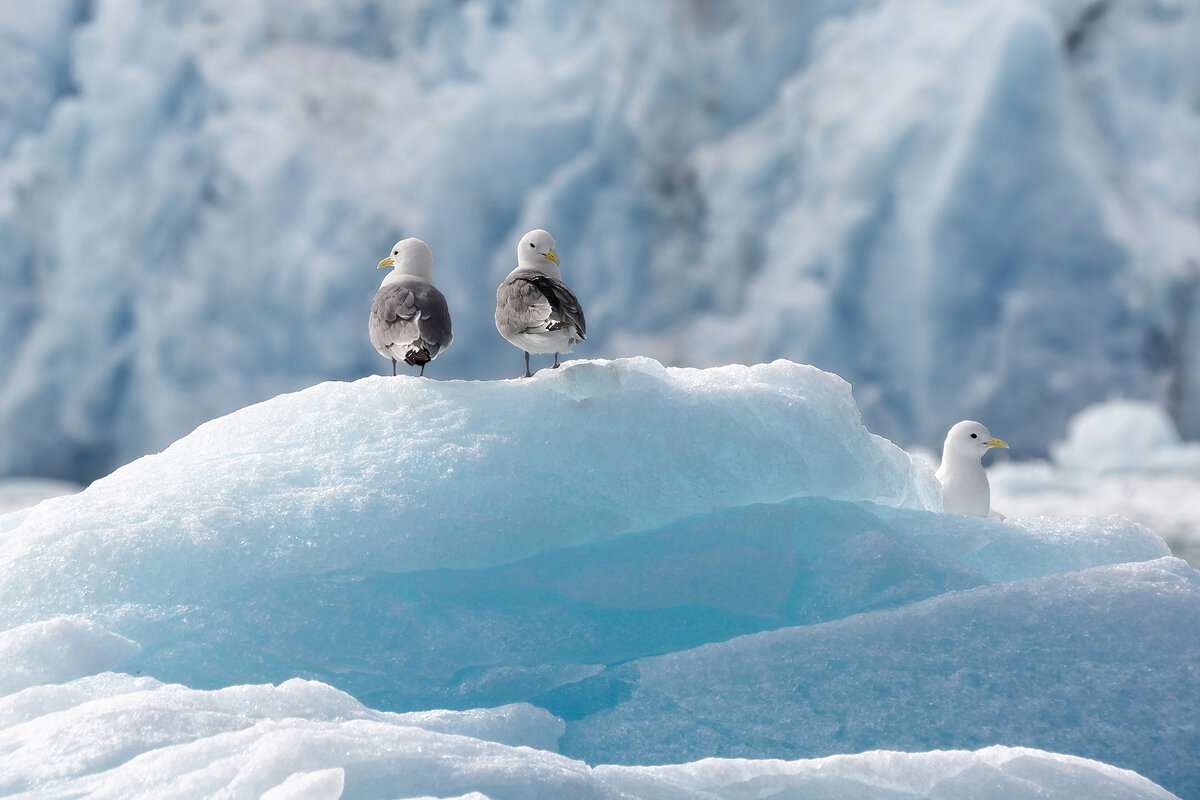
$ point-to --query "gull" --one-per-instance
(535, 310)
(965, 487)
(409, 320)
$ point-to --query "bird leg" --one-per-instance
(393, 367)
(555, 361)
(422, 375)
(528, 374)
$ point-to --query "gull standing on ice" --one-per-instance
(409, 319)
(535, 310)
(965, 487)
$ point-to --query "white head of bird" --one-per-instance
(969, 440)
(536, 251)
(409, 257)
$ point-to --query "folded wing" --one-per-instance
(531, 302)
(409, 315)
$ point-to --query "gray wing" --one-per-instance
(410, 312)
(534, 302)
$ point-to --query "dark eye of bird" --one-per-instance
(531, 244)
(974, 436)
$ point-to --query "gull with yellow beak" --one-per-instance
(535, 310)
(965, 488)
(409, 319)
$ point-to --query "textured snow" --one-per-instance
(1009, 198)
(993, 773)
(115, 736)
(58, 650)
(402, 587)
(119, 737)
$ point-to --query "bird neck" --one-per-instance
(397, 275)
(960, 459)
(543, 266)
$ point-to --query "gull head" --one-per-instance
(536, 250)
(410, 257)
(969, 438)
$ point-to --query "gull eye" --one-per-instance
(531, 244)
(974, 435)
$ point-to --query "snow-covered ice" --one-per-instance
(417, 474)
(118, 737)
(58, 650)
(416, 588)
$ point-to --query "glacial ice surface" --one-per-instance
(407, 587)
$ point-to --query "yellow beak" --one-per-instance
(387, 262)
(996, 443)
(552, 256)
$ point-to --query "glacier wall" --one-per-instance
(978, 210)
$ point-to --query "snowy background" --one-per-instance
(981, 209)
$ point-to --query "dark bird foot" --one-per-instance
(528, 374)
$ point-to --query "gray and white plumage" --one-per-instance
(965, 488)
(535, 310)
(409, 320)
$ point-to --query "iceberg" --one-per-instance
(422, 475)
(614, 579)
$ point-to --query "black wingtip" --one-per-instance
(419, 357)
